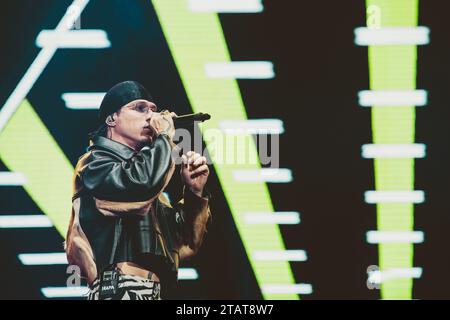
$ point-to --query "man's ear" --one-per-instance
(110, 121)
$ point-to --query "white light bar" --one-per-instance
(396, 273)
(43, 259)
(83, 100)
(280, 255)
(392, 98)
(38, 65)
(187, 274)
(65, 292)
(60, 258)
(392, 36)
(226, 6)
(254, 126)
(287, 288)
(78, 39)
(416, 196)
(378, 151)
(25, 221)
(285, 217)
(240, 70)
(12, 179)
(394, 237)
(270, 175)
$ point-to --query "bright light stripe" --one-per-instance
(394, 68)
(280, 255)
(199, 39)
(226, 6)
(372, 151)
(12, 179)
(34, 71)
(240, 70)
(43, 259)
(254, 126)
(375, 237)
(398, 273)
(41, 160)
(77, 39)
(65, 292)
(187, 274)
(416, 196)
(286, 217)
(60, 258)
(393, 98)
(392, 36)
(269, 175)
(49, 185)
(287, 289)
(83, 100)
(25, 221)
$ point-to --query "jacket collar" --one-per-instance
(118, 148)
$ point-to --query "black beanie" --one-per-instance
(120, 95)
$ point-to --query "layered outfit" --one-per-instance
(120, 214)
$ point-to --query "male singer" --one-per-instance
(124, 235)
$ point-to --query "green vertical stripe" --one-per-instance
(195, 39)
(394, 68)
(26, 146)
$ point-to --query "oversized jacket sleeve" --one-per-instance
(142, 177)
(192, 216)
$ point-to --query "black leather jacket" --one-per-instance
(111, 182)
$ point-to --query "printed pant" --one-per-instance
(129, 288)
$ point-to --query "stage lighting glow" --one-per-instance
(25, 221)
(194, 41)
(390, 274)
(254, 126)
(21, 126)
(287, 217)
(240, 70)
(65, 292)
(377, 151)
(73, 39)
(50, 187)
(226, 6)
(43, 259)
(392, 36)
(83, 100)
(12, 179)
(283, 289)
(391, 98)
(416, 196)
(392, 56)
(280, 255)
(40, 62)
(394, 236)
(187, 274)
(60, 258)
(272, 175)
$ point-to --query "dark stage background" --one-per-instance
(318, 73)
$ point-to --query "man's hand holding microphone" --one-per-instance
(194, 168)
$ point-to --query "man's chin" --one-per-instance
(149, 139)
